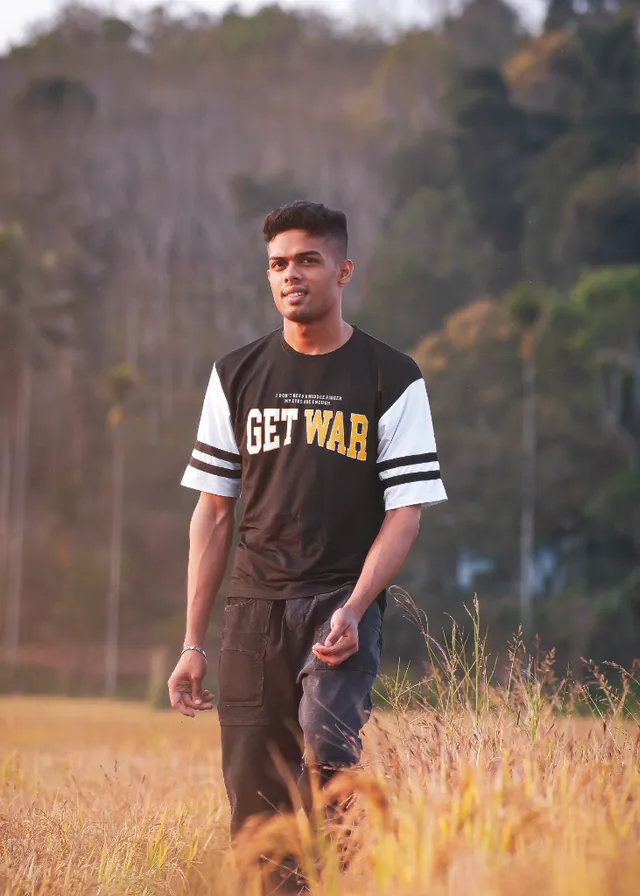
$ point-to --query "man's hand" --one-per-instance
(185, 685)
(342, 641)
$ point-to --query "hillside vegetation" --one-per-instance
(492, 186)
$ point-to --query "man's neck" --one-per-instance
(318, 337)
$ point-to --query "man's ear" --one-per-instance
(346, 272)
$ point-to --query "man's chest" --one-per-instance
(285, 412)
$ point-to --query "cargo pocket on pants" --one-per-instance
(242, 660)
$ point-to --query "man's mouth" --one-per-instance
(294, 293)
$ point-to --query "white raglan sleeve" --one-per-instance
(215, 464)
(408, 466)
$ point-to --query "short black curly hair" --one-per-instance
(312, 217)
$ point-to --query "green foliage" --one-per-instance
(56, 95)
(36, 310)
(609, 300)
(610, 296)
(426, 267)
(476, 83)
(492, 189)
(569, 13)
(490, 141)
(120, 380)
(602, 221)
(425, 162)
(612, 62)
(254, 198)
(525, 305)
(554, 175)
(476, 414)
(485, 32)
(117, 30)
(245, 36)
(617, 506)
(12, 262)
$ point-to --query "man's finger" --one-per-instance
(188, 700)
(335, 658)
(196, 690)
(345, 648)
(338, 650)
(348, 640)
(177, 702)
(325, 653)
(336, 633)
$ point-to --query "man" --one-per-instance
(327, 433)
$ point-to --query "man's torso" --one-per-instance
(318, 445)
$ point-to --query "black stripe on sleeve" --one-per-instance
(215, 471)
(217, 452)
(408, 460)
(410, 477)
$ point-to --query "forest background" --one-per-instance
(491, 178)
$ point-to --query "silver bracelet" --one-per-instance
(193, 647)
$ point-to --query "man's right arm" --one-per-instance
(210, 537)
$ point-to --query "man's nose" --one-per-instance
(292, 273)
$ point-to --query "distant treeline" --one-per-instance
(492, 185)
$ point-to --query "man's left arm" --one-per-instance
(386, 555)
(409, 474)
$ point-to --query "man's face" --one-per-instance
(306, 275)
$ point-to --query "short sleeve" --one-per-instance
(408, 466)
(215, 465)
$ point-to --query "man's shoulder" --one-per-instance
(396, 369)
(237, 359)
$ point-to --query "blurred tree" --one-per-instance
(491, 143)
(410, 79)
(425, 161)
(610, 300)
(474, 408)
(255, 198)
(117, 30)
(583, 205)
(52, 96)
(532, 73)
(270, 27)
(35, 320)
(474, 369)
(141, 155)
(609, 65)
(568, 13)
(602, 220)
(484, 33)
(428, 264)
(119, 383)
(526, 307)
(557, 172)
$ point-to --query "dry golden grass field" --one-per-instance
(487, 790)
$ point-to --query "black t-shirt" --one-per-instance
(320, 447)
